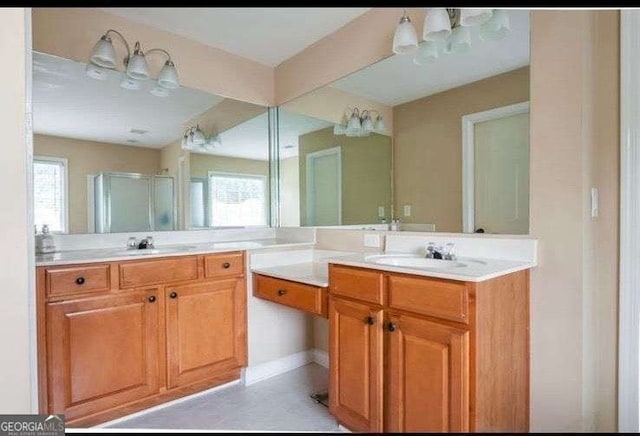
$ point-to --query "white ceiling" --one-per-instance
(68, 103)
(250, 140)
(265, 35)
(398, 80)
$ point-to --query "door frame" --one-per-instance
(629, 297)
(310, 180)
(468, 155)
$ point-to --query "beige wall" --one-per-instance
(366, 173)
(427, 146)
(71, 33)
(290, 192)
(89, 157)
(17, 233)
(225, 115)
(202, 163)
(330, 104)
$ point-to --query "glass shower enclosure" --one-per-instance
(128, 202)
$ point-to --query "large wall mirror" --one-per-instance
(441, 144)
(108, 158)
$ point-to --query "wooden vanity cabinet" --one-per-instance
(158, 330)
(443, 355)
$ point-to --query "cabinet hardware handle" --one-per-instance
(152, 298)
(173, 294)
(80, 280)
(226, 265)
(369, 320)
(391, 327)
(282, 291)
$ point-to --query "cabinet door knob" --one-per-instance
(80, 281)
(282, 291)
(152, 298)
(173, 294)
(391, 327)
(226, 265)
(369, 320)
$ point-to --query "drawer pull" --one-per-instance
(226, 265)
(80, 281)
(369, 320)
(282, 292)
(391, 327)
(152, 298)
(173, 294)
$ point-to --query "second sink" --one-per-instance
(412, 261)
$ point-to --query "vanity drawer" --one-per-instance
(445, 299)
(312, 299)
(365, 285)
(62, 281)
(224, 265)
(134, 274)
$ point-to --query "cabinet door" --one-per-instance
(356, 365)
(206, 330)
(103, 352)
(427, 377)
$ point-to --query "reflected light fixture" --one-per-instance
(194, 139)
(449, 30)
(103, 57)
(359, 123)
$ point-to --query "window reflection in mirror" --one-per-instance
(110, 159)
(459, 129)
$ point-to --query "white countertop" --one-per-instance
(120, 254)
(311, 273)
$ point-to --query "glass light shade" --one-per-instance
(197, 137)
(474, 17)
(367, 124)
(379, 125)
(159, 91)
(103, 54)
(427, 53)
(168, 77)
(354, 125)
(405, 40)
(339, 129)
(497, 27)
(137, 67)
(437, 26)
(96, 72)
(129, 83)
(459, 41)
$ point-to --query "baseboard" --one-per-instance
(321, 357)
(263, 371)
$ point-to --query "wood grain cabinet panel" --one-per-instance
(205, 330)
(312, 299)
(74, 280)
(428, 377)
(361, 284)
(356, 364)
(152, 272)
(224, 265)
(103, 351)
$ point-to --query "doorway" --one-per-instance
(324, 194)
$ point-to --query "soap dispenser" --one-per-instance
(45, 243)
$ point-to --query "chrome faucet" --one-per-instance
(133, 244)
(444, 253)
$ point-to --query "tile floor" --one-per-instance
(280, 403)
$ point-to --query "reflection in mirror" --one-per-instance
(460, 131)
(109, 159)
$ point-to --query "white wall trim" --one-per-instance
(468, 156)
(263, 371)
(310, 178)
(629, 300)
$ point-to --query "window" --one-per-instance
(50, 193)
(237, 200)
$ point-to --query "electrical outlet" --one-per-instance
(372, 241)
(381, 212)
(407, 210)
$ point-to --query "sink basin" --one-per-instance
(150, 251)
(413, 261)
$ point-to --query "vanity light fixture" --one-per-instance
(103, 57)
(194, 139)
(448, 30)
(405, 39)
(359, 123)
